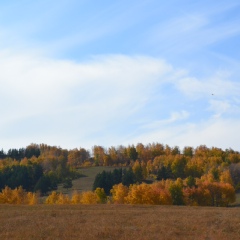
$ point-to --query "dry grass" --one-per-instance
(237, 203)
(118, 222)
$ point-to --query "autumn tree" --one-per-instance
(89, 198)
(188, 151)
(138, 171)
(102, 197)
(76, 198)
(178, 166)
(98, 155)
(144, 152)
(119, 193)
(17, 196)
(176, 193)
(77, 157)
(156, 149)
(113, 154)
(132, 153)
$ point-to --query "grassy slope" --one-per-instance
(118, 222)
(85, 183)
(237, 203)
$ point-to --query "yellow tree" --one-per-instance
(102, 197)
(18, 195)
(228, 194)
(32, 198)
(142, 194)
(6, 195)
(76, 198)
(62, 199)
(135, 194)
(107, 161)
(119, 193)
(225, 177)
(98, 154)
(52, 198)
(89, 198)
(112, 152)
(221, 193)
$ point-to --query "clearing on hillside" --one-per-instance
(85, 183)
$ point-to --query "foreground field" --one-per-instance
(118, 222)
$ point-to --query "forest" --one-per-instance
(153, 174)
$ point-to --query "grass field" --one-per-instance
(128, 222)
(118, 222)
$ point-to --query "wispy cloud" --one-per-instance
(195, 28)
(218, 85)
(73, 98)
(105, 100)
(174, 117)
(212, 133)
(64, 82)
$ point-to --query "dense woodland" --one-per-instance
(144, 174)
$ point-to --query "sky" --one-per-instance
(78, 73)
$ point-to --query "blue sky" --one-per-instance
(83, 73)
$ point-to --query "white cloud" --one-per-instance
(212, 133)
(105, 101)
(218, 85)
(195, 28)
(219, 107)
(219, 133)
(42, 97)
(174, 117)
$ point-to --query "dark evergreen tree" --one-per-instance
(20, 175)
(163, 173)
(106, 180)
(99, 181)
(176, 194)
(43, 185)
(117, 176)
(132, 153)
(2, 154)
(128, 177)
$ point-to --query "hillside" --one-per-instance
(85, 183)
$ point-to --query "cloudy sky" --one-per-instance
(87, 72)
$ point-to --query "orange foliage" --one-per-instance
(148, 194)
(119, 192)
(76, 197)
(225, 177)
(17, 196)
(89, 198)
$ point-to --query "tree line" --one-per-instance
(40, 167)
(167, 192)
